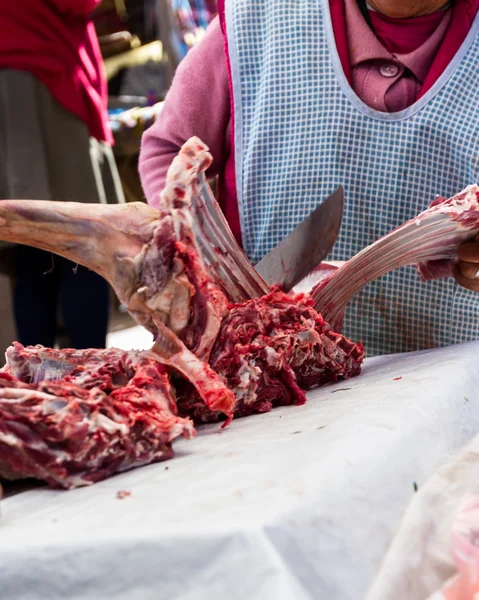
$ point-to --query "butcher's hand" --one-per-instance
(466, 271)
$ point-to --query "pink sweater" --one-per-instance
(389, 71)
(198, 103)
(55, 41)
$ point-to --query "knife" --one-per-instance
(306, 246)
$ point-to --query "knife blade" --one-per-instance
(306, 246)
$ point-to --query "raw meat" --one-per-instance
(105, 411)
(182, 275)
(229, 345)
(430, 241)
(269, 350)
(182, 282)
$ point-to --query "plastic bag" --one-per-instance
(465, 548)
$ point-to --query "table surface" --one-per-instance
(297, 504)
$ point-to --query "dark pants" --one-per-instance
(46, 282)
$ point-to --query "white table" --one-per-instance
(297, 504)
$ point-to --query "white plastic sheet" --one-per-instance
(298, 504)
(422, 556)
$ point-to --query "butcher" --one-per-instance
(381, 97)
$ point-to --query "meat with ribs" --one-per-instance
(152, 261)
(239, 348)
(182, 274)
(74, 417)
(229, 345)
(430, 241)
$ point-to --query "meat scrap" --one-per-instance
(225, 343)
(122, 494)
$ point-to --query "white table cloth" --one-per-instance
(298, 504)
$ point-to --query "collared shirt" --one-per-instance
(384, 80)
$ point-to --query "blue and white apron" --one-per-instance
(300, 130)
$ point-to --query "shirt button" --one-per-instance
(389, 70)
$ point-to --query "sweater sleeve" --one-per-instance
(197, 104)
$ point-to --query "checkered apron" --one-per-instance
(300, 131)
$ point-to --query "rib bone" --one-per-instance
(430, 241)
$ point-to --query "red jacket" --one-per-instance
(56, 42)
